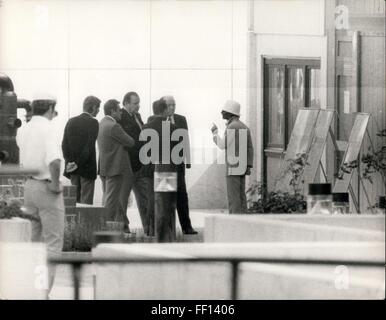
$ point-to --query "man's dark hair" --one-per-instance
(110, 105)
(159, 106)
(127, 97)
(155, 107)
(89, 102)
(40, 107)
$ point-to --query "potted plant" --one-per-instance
(373, 163)
(279, 201)
(15, 225)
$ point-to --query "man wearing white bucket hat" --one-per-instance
(238, 147)
(40, 149)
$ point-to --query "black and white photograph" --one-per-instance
(206, 151)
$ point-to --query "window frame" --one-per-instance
(307, 64)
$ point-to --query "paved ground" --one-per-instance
(63, 288)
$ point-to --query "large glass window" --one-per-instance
(314, 85)
(289, 85)
(276, 103)
(295, 93)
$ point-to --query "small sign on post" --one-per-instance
(165, 201)
(165, 181)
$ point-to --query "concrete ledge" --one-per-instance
(357, 221)
(292, 228)
(23, 271)
(289, 282)
(257, 280)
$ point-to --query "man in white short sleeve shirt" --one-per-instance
(39, 149)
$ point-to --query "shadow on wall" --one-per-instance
(205, 184)
(209, 190)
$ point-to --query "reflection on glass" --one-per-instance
(295, 94)
(314, 88)
(276, 106)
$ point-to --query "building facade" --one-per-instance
(323, 54)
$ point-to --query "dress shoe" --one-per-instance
(190, 231)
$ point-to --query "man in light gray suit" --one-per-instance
(237, 143)
(114, 162)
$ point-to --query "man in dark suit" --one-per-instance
(132, 124)
(160, 224)
(78, 147)
(114, 162)
(182, 196)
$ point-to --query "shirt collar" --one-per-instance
(39, 119)
(131, 114)
(111, 118)
(87, 114)
(232, 119)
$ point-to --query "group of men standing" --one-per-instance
(120, 167)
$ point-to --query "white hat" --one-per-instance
(43, 96)
(232, 107)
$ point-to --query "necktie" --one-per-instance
(137, 121)
(171, 119)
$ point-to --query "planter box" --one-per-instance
(15, 230)
(80, 227)
(293, 228)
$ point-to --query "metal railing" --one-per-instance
(77, 264)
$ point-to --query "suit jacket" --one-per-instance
(181, 123)
(155, 123)
(113, 143)
(130, 126)
(237, 142)
(78, 145)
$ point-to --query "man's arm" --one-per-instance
(55, 186)
(90, 143)
(66, 145)
(250, 153)
(53, 161)
(188, 160)
(121, 136)
(220, 142)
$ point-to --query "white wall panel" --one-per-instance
(191, 34)
(289, 16)
(34, 34)
(108, 84)
(109, 34)
(239, 31)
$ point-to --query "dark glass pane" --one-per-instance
(314, 94)
(295, 94)
(276, 106)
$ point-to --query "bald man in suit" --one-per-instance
(182, 196)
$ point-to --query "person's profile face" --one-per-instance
(133, 105)
(52, 113)
(116, 113)
(95, 110)
(171, 106)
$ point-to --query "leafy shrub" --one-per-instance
(275, 202)
(77, 237)
(11, 207)
(374, 161)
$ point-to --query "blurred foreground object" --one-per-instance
(9, 123)
(23, 271)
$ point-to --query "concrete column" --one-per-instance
(254, 120)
